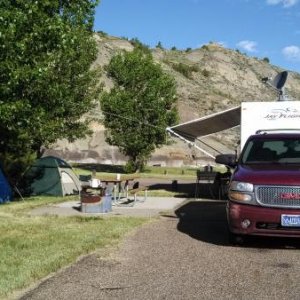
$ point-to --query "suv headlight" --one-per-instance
(241, 192)
(241, 186)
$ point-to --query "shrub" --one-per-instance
(159, 45)
(102, 33)
(266, 59)
(205, 73)
(136, 43)
(185, 70)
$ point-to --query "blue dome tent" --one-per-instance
(5, 189)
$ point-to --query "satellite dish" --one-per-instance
(278, 84)
(279, 81)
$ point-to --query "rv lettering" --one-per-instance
(287, 113)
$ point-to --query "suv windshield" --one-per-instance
(271, 151)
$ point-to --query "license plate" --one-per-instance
(290, 220)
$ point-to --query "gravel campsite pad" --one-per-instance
(184, 254)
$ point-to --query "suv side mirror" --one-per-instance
(227, 160)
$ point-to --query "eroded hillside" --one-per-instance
(209, 79)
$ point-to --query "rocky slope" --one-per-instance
(209, 79)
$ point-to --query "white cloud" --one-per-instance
(249, 46)
(285, 3)
(291, 53)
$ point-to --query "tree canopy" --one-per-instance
(46, 82)
(139, 107)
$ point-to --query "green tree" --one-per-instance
(139, 107)
(46, 81)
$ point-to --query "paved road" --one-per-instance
(184, 255)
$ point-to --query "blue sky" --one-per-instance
(260, 28)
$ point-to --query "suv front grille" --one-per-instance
(278, 196)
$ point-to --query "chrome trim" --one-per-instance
(268, 196)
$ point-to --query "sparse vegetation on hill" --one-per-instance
(185, 70)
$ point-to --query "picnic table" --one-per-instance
(118, 186)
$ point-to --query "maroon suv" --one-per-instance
(264, 192)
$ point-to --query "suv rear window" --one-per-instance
(271, 151)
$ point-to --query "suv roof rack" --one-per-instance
(286, 130)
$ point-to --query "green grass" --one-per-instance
(21, 207)
(33, 247)
(150, 172)
(158, 171)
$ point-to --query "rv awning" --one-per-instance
(209, 124)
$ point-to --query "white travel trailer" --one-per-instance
(260, 116)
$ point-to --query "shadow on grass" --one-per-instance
(101, 168)
(206, 220)
(186, 190)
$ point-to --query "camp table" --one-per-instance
(120, 185)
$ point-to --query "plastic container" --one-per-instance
(106, 203)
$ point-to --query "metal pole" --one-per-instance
(189, 142)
